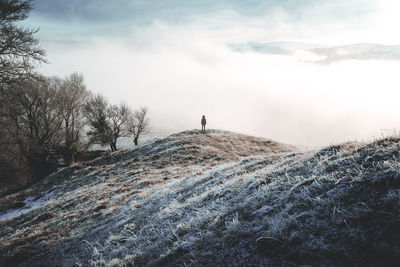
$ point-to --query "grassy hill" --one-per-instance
(218, 198)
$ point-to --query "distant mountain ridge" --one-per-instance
(213, 198)
(326, 54)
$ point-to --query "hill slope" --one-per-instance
(215, 198)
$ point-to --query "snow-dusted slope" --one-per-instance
(218, 198)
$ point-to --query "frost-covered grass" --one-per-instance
(29, 203)
(217, 199)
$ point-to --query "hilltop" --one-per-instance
(217, 198)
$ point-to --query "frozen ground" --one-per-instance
(29, 203)
(218, 198)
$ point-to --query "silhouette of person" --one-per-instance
(203, 123)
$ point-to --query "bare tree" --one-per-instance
(28, 111)
(19, 50)
(95, 111)
(118, 118)
(73, 94)
(107, 122)
(139, 124)
(33, 122)
(39, 115)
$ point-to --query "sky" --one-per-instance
(305, 72)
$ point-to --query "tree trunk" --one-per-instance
(67, 140)
(113, 146)
(135, 140)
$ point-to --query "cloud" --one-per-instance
(325, 54)
(87, 18)
(146, 11)
(358, 52)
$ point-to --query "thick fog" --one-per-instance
(182, 70)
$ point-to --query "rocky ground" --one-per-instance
(217, 198)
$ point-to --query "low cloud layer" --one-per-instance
(184, 69)
(315, 53)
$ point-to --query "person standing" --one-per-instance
(203, 123)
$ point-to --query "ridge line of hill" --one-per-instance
(216, 198)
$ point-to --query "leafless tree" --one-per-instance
(39, 116)
(95, 111)
(139, 124)
(73, 94)
(118, 118)
(107, 122)
(19, 50)
(33, 121)
(19, 53)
